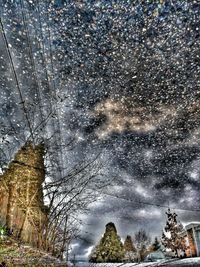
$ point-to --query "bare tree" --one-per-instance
(67, 197)
(141, 241)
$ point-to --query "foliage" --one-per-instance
(15, 253)
(32, 265)
(156, 245)
(3, 231)
(24, 265)
(171, 237)
(128, 244)
(130, 250)
(142, 241)
(110, 247)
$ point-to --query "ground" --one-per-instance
(190, 262)
(14, 253)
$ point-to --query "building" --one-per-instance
(192, 237)
(22, 207)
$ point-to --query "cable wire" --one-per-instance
(16, 78)
(148, 203)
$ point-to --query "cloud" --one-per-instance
(120, 117)
(88, 251)
(132, 89)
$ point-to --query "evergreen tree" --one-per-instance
(171, 237)
(110, 247)
(128, 244)
(156, 244)
(130, 250)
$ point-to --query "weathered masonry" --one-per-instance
(22, 208)
(192, 237)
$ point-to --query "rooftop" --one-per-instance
(192, 225)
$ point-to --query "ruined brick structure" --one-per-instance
(192, 237)
(22, 208)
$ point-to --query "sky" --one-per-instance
(123, 79)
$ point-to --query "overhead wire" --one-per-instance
(44, 64)
(49, 79)
(148, 203)
(53, 76)
(16, 79)
(30, 50)
(26, 19)
(31, 55)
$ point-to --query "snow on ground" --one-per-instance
(187, 262)
(190, 262)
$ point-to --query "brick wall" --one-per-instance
(192, 245)
(21, 197)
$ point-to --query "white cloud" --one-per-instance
(148, 213)
(139, 119)
(88, 251)
(194, 175)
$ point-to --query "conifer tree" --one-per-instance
(156, 244)
(110, 247)
(128, 244)
(130, 250)
(171, 237)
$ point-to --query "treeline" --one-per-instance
(112, 249)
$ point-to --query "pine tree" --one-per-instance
(171, 237)
(156, 244)
(110, 247)
(128, 244)
(130, 250)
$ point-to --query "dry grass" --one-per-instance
(15, 254)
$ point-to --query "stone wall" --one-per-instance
(192, 247)
(21, 196)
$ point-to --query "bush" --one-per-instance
(3, 231)
(26, 265)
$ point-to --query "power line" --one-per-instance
(147, 203)
(30, 50)
(24, 18)
(49, 80)
(44, 61)
(53, 74)
(41, 49)
(16, 79)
